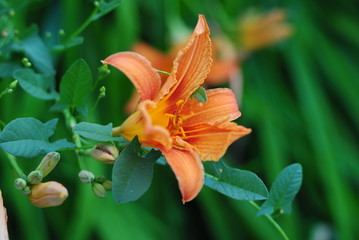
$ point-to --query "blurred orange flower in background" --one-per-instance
(186, 131)
(259, 30)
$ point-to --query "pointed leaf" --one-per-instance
(37, 85)
(7, 69)
(97, 132)
(74, 42)
(132, 174)
(234, 183)
(200, 94)
(283, 191)
(28, 137)
(106, 7)
(36, 51)
(76, 84)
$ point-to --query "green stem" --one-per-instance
(75, 148)
(83, 26)
(71, 122)
(13, 163)
(272, 221)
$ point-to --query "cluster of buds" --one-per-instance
(26, 62)
(106, 153)
(43, 194)
(99, 185)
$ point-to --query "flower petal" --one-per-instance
(188, 169)
(211, 142)
(191, 66)
(221, 106)
(3, 219)
(158, 59)
(148, 125)
(139, 70)
(221, 71)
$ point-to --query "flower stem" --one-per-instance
(13, 163)
(272, 221)
(83, 26)
(70, 123)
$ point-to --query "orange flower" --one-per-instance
(184, 130)
(225, 61)
(261, 30)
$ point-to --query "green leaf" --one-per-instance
(38, 85)
(76, 84)
(28, 137)
(131, 173)
(36, 51)
(74, 42)
(234, 183)
(7, 69)
(106, 7)
(97, 132)
(283, 191)
(200, 94)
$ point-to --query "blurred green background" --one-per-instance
(300, 97)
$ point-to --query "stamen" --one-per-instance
(182, 131)
(179, 102)
(169, 115)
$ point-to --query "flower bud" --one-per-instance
(99, 190)
(26, 190)
(13, 84)
(107, 185)
(20, 183)
(61, 32)
(48, 163)
(100, 179)
(48, 194)
(105, 153)
(86, 176)
(34, 177)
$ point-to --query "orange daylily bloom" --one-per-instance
(186, 131)
(225, 60)
(225, 65)
(261, 30)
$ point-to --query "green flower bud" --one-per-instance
(105, 153)
(34, 177)
(48, 194)
(20, 183)
(48, 34)
(11, 12)
(99, 190)
(100, 179)
(48, 163)
(26, 190)
(25, 60)
(61, 32)
(13, 84)
(102, 89)
(107, 185)
(103, 71)
(86, 176)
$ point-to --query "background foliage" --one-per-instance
(300, 99)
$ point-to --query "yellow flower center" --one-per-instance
(175, 124)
